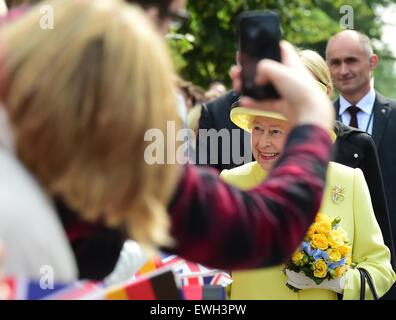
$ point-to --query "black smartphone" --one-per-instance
(259, 34)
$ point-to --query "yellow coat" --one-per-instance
(357, 219)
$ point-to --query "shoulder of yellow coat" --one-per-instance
(341, 172)
(245, 177)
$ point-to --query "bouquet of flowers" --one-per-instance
(325, 253)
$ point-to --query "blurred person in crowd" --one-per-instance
(216, 90)
(79, 139)
(164, 12)
(69, 142)
(225, 153)
(193, 94)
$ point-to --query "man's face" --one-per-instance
(350, 66)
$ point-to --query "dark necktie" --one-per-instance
(353, 110)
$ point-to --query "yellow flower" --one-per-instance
(339, 271)
(319, 241)
(334, 239)
(323, 217)
(320, 269)
(348, 260)
(344, 250)
(311, 231)
(298, 257)
(334, 255)
(323, 227)
(341, 233)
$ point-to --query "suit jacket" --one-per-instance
(356, 149)
(222, 154)
(384, 133)
(357, 219)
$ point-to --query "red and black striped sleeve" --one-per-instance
(220, 226)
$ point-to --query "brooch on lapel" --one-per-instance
(338, 194)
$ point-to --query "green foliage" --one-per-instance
(209, 49)
(384, 75)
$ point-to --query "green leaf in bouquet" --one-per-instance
(336, 221)
(332, 274)
(292, 288)
(318, 280)
(293, 267)
(307, 269)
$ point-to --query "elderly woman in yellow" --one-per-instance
(346, 196)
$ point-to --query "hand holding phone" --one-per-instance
(259, 35)
(300, 96)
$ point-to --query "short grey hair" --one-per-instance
(364, 41)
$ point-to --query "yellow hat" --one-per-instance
(242, 116)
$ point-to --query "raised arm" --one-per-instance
(221, 226)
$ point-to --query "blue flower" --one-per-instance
(333, 265)
(306, 246)
(317, 254)
(325, 256)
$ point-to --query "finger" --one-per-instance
(269, 71)
(268, 105)
(286, 80)
(291, 58)
(291, 64)
(235, 75)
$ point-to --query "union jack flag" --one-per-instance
(188, 273)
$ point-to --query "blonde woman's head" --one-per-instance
(318, 67)
(80, 98)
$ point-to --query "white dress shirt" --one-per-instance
(366, 105)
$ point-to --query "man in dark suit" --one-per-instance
(352, 61)
(220, 143)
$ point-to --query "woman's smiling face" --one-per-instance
(268, 137)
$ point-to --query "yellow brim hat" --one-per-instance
(242, 116)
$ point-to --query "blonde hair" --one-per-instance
(80, 99)
(318, 67)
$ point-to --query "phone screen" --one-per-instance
(259, 35)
